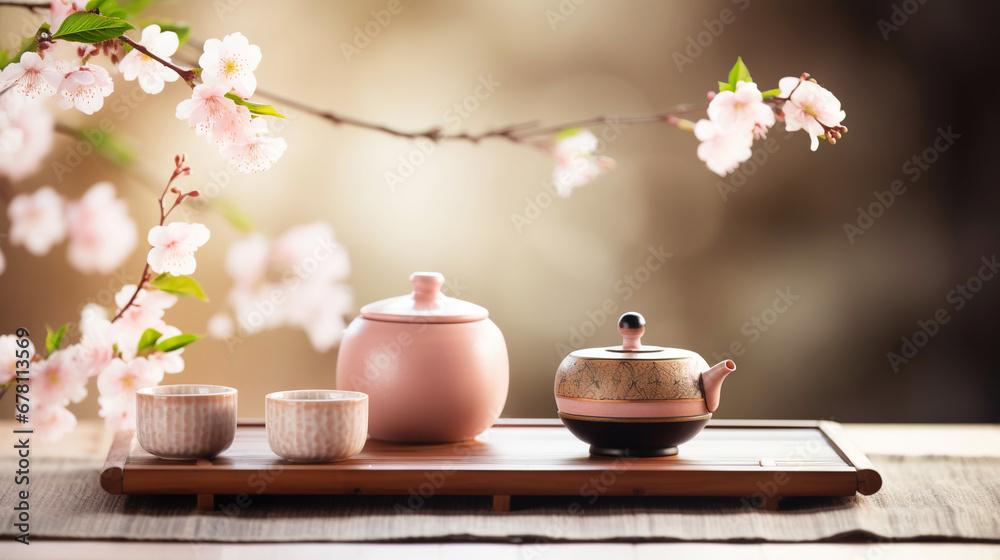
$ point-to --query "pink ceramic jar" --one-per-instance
(435, 368)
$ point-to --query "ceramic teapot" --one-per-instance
(637, 400)
(435, 368)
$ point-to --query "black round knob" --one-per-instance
(631, 320)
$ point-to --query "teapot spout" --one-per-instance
(711, 381)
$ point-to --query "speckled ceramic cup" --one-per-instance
(186, 421)
(316, 426)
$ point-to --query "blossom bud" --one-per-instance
(194, 193)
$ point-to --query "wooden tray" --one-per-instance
(760, 460)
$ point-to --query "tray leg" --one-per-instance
(501, 503)
(206, 502)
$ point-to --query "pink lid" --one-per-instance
(425, 305)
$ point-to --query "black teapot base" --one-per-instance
(634, 437)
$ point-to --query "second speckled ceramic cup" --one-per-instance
(186, 421)
(316, 426)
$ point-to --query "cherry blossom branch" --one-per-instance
(31, 6)
(186, 75)
(179, 170)
(526, 133)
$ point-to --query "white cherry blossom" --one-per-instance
(33, 76)
(101, 233)
(174, 246)
(60, 9)
(576, 162)
(167, 362)
(208, 104)
(743, 108)
(145, 313)
(150, 73)
(85, 88)
(230, 63)
(256, 151)
(722, 149)
(220, 326)
(96, 347)
(810, 107)
(37, 221)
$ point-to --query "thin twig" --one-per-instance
(179, 170)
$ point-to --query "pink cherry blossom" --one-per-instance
(9, 357)
(26, 133)
(230, 63)
(576, 163)
(174, 246)
(58, 380)
(60, 9)
(96, 347)
(118, 384)
(85, 88)
(810, 107)
(208, 104)
(51, 422)
(36, 220)
(150, 73)
(101, 233)
(722, 149)
(231, 127)
(298, 280)
(744, 108)
(146, 312)
(256, 151)
(33, 76)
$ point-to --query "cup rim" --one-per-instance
(215, 390)
(290, 396)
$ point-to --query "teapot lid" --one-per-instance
(425, 305)
(632, 326)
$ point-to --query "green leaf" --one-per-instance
(567, 133)
(182, 29)
(236, 217)
(723, 86)
(179, 285)
(175, 342)
(739, 73)
(109, 8)
(147, 342)
(771, 92)
(86, 27)
(29, 44)
(255, 108)
(53, 339)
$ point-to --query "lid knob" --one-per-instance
(631, 326)
(426, 287)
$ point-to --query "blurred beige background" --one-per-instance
(782, 229)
